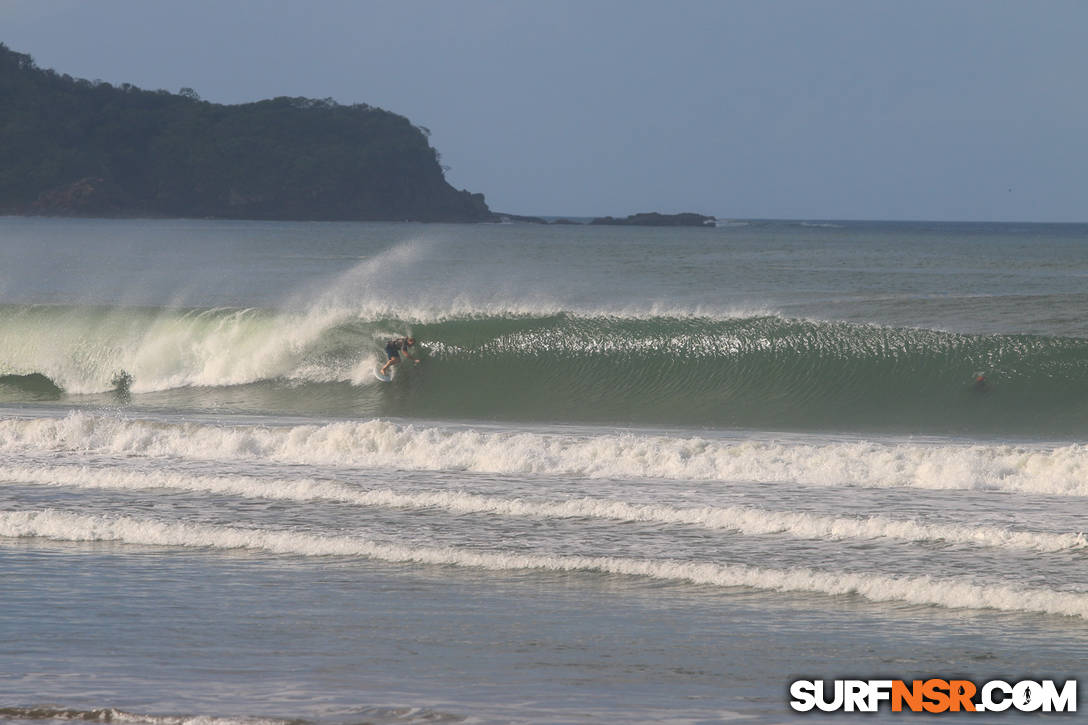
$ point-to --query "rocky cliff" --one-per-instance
(75, 147)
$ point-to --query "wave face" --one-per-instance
(746, 372)
(761, 372)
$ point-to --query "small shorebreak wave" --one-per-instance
(113, 715)
(1033, 469)
(53, 713)
(951, 593)
(760, 371)
(747, 520)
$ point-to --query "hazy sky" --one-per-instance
(862, 109)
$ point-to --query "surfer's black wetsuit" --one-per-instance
(393, 347)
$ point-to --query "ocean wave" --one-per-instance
(956, 593)
(762, 372)
(80, 349)
(743, 519)
(35, 385)
(1055, 470)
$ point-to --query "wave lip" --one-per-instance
(83, 350)
(745, 520)
(38, 386)
(924, 590)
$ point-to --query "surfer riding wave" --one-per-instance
(393, 350)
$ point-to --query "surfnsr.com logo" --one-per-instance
(933, 695)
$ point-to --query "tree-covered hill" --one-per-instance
(76, 147)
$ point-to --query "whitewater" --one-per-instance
(639, 474)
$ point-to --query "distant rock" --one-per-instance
(654, 219)
(521, 219)
(89, 196)
(508, 218)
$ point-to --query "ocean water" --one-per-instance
(640, 475)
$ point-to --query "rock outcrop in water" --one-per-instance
(654, 219)
(81, 148)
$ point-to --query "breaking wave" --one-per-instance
(746, 520)
(745, 372)
(1060, 470)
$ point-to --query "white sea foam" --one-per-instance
(1061, 470)
(957, 592)
(82, 350)
(745, 520)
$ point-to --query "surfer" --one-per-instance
(394, 348)
(981, 384)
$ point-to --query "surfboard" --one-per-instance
(384, 378)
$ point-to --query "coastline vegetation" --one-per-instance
(75, 147)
